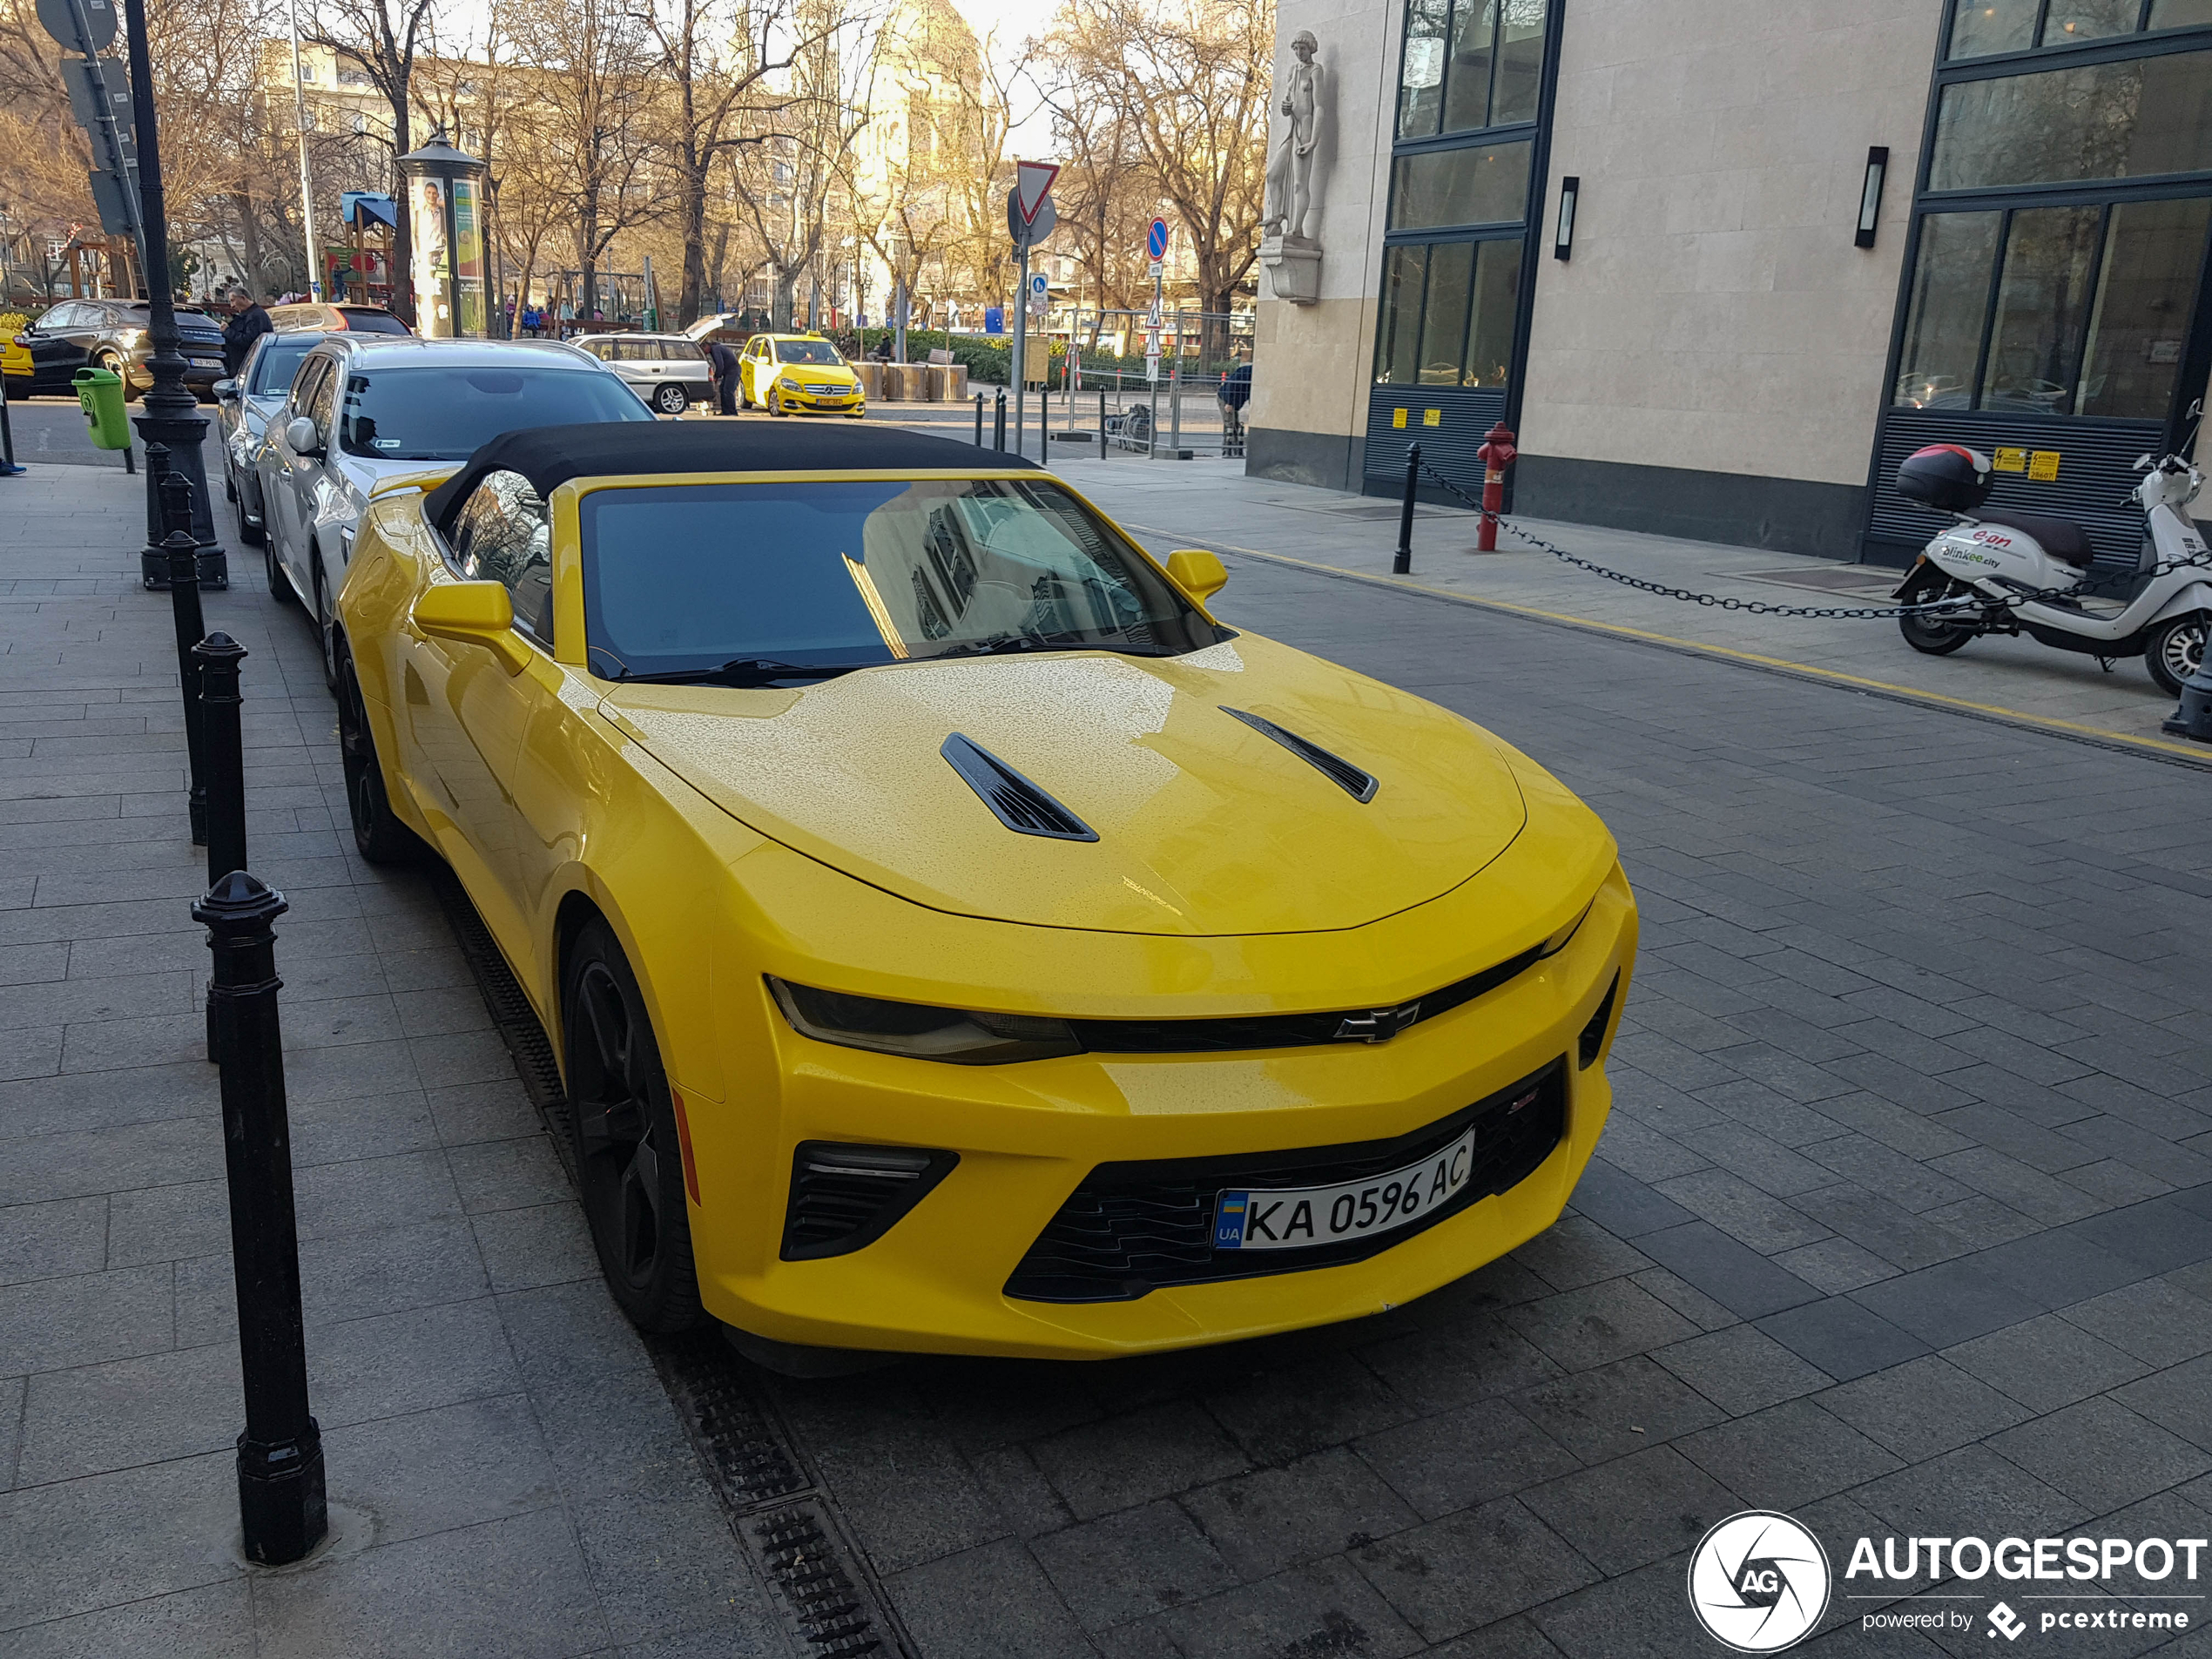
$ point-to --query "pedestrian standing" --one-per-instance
(248, 322)
(722, 363)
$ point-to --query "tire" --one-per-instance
(114, 365)
(378, 833)
(1928, 636)
(230, 486)
(744, 398)
(629, 1158)
(671, 399)
(776, 404)
(326, 624)
(281, 588)
(2175, 648)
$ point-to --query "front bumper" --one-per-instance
(827, 402)
(1027, 1136)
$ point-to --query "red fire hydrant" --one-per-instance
(1496, 453)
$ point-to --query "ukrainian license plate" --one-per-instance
(1299, 1217)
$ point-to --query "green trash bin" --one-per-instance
(99, 394)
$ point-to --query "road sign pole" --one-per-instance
(1021, 344)
(109, 132)
(307, 175)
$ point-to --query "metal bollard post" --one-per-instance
(222, 752)
(979, 420)
(998, 423)
(8, 468)
(182, 553)
(1102, 423)
(1403, 564)
(280, 1498)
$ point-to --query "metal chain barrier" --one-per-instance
(1954, 604)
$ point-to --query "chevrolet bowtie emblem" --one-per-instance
(1380, 1025)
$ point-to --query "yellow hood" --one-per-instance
(1205, 825)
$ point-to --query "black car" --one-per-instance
(111, 334)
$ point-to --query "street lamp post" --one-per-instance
(171, 417)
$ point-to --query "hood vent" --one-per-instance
(1360, 785)
(1020, 805)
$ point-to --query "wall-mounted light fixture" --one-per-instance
(1570, 189)
(1869, 195)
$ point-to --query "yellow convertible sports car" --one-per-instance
(798, 374)
(953, 937)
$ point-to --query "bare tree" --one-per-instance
(381, 38)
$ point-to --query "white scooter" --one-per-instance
(1977, 574)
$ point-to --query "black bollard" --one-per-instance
(1102, 423)
(279, 1456)
(998, 423)
(222, 753)
(979, 420)
(183, 554)
(1403, 564)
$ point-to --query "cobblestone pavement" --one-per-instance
(1903, 1223)
(506, 1475)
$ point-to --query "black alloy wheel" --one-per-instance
(629, 1159)
(1924, 631)
(2175, 650)
(377, 830)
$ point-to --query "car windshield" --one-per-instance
(691, 579)
(278, 362)
(807, 351)
(447, 413)
(366, 319)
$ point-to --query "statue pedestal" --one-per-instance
(1293, 267)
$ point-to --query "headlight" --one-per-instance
(919, 1031)
(788, 384)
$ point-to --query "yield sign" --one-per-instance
(1032, 180)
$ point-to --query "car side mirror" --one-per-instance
(474, 613)
(1197, 572)
(227, 389)
(300, 435)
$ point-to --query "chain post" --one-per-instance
(182, 553)
(281, 1504)
(1403, 564)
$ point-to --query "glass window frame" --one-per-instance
(2039, 46)
(1447, 33)
(1414, 351)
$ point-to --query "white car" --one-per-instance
(364, 407)
(669, 371)
(245, 406)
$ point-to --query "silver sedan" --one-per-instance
(366, 407)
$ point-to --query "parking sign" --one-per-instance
(1156, 240)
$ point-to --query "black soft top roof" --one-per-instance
(550, 456)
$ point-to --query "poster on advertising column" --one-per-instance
(468, 259)
(432, 260)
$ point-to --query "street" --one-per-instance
(1903, 1223)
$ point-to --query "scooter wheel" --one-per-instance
(1925, 633)
(2175, 650)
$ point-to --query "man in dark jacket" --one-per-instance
(722, 363)
(248, 324)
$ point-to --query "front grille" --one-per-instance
(1132, 1228)
(1293, 1030)
(845, 1196)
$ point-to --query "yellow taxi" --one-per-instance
(953, 936)
(798, 374)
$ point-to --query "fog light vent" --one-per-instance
(1591, 1043)
(845, 1196)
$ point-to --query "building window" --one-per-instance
(2067, 310)
(2134, 118)
(1462, 185)
(1448, 311)
(1470, 65)
(1982, 27)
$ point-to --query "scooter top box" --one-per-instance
(1949, 477)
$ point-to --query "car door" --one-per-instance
(286, 476)
(749, 378)
(56, 349)
(465, 713)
